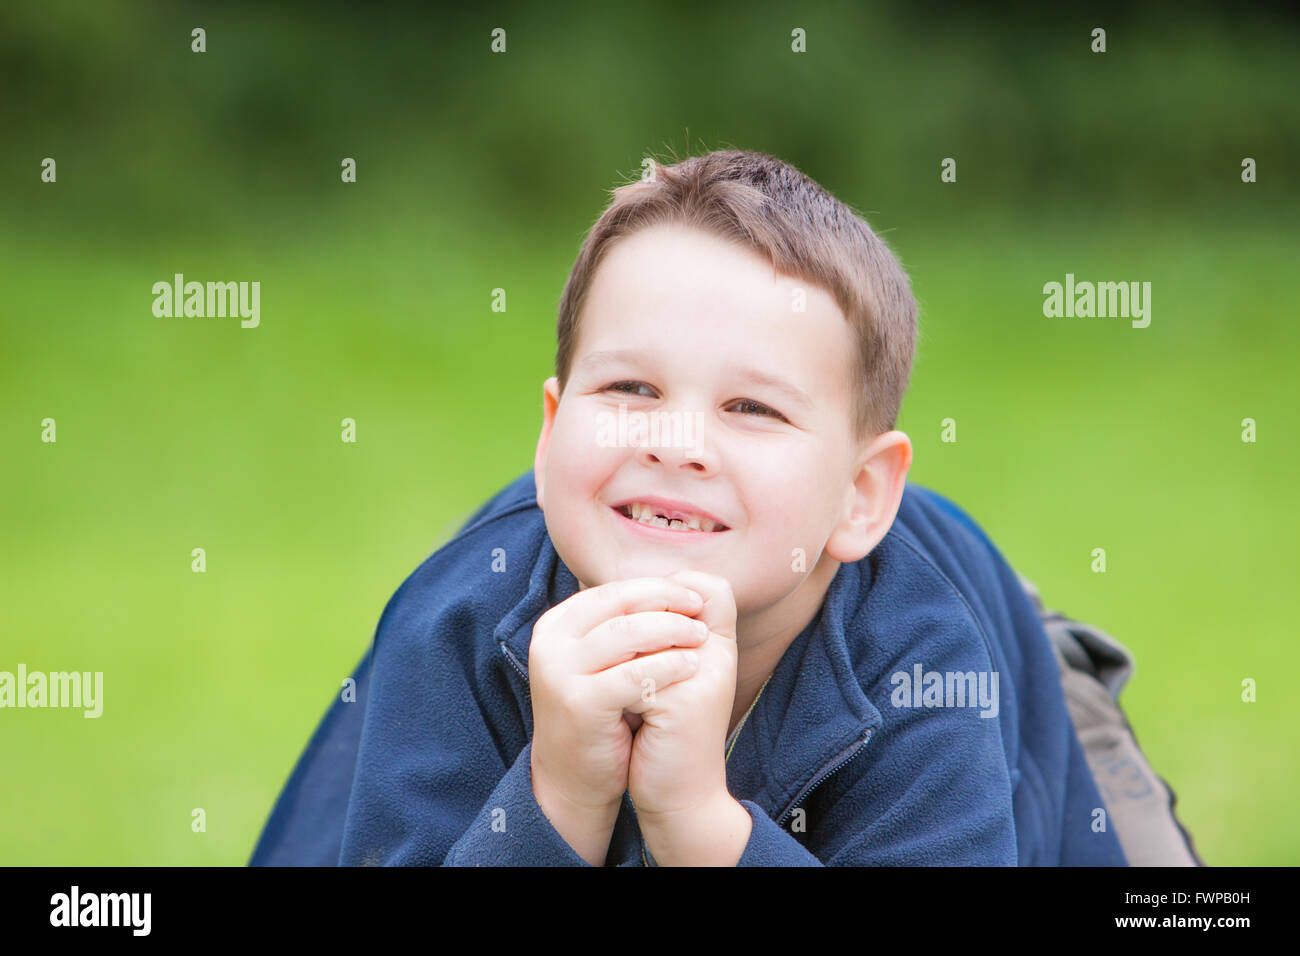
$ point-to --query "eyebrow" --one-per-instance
(756, 376)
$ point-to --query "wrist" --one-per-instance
(543, 780)
(587, 828)
(712, 833)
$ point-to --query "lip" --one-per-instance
(662, 534)
(674, 509)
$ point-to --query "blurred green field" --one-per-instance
(174, 434)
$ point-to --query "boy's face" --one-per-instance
(691, 316)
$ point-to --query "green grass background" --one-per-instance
(477, 173)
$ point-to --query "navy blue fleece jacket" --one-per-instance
(845, 758)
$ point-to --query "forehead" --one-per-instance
(676, 289)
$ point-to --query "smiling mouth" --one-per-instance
(656, 518)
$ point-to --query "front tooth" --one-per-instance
(647, 514)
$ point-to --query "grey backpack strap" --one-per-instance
(1094, 669)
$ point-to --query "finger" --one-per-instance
(587, 609)
(623, 637)
(632, 685)
(719, 611)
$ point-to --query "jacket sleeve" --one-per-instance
(511, 829)
(769, 845)
(305, 827)
(930, 788)
(443, 768)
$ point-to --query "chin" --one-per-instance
(623, 564)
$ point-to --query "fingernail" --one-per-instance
(692, 659)
(701, 628)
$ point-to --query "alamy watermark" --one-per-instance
(215, 300)
(53, 689)
(1127, 300)
(76, 908)
(922, 688)
(650, 429)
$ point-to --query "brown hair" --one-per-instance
(805, 232)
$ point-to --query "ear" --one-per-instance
(872, 500)
(550, 402)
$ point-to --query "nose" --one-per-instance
(679, 442)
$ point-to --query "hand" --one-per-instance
(678, 764)
(584, 673)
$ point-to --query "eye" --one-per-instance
(761, 409)
(619, 387)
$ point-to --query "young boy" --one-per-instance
(714, 625)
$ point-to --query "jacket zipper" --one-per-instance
(828, 770)
(518, 666)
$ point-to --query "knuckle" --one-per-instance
(638, 672)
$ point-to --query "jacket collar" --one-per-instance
(813, 713)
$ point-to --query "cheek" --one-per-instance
(785, 494)
(578, 466)
(787, 507)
